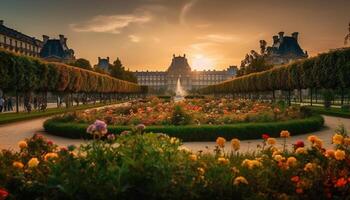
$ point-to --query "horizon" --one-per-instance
(213, 35)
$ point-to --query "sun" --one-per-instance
(201, 62)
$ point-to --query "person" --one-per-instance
(10, 104)
(1, 103)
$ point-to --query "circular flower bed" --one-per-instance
(155, 111)
(191, 120)
(156, 166)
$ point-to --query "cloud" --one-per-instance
(110, 23)
(134, 38)
(185, 9)
(219, 38)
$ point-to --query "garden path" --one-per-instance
(10, 134)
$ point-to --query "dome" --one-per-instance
(179, 65)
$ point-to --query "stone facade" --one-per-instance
(18, 42)
(162, 81)
(56, 50)
(284, 49)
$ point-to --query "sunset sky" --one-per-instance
(145, 34)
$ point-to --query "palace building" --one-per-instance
(56, 50)
(284, 49)
(179, 68)
(18, 42)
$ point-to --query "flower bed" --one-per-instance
(155, 111)
(156, 166)
(192, 120)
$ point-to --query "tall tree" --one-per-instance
(117, 70)
(82, 63)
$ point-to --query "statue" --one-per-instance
(347, 37)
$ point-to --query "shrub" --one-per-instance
(155, 166)
(345, 108)
(198, 132)
(179, 116)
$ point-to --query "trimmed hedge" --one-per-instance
(336, 112)
(24, 74)
(199, 133)
(327, 70)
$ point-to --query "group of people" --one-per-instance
(6, 104)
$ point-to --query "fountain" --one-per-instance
(180, 93)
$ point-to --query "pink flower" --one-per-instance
(298, 144)
(3, 194)
(265, 136)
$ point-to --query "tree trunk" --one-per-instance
(17, 102)
(289, 98)
(300, 96)
(342, 96)
(311, 96)
(273, 96)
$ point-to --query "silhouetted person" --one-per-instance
(10, 104)
(2, 101)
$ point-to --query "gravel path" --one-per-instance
(10, 134)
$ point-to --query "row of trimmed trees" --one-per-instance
(326, 71)
(24, 75)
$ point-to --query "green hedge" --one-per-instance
(337, 112)
(200, 133)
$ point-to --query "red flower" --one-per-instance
(341, 182)
(3, 194)
(295, 179)
(49, 143)
(298, 144)
(265, 136)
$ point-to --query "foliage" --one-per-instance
(25, 74)
(82, 63)
(154, 111)
(117, 70)
(327, 70)
(155, 166)
(65, 127)
(328, 97)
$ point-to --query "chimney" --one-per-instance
(275, 39)
(295, 35)
(108, 59)
(62, 39)
(1, 22)
(184, 55)
(280, 34)
(99, 59)
(45, 38)
(173, 55)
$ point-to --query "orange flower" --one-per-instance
(341, 182)
(339, 154)
(299, 190)
(285, 134)
(220, 141)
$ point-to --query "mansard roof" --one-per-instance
(179, 65)
(18, 35)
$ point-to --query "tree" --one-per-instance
(82, 63)
(117, 70)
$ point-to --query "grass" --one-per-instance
(22, 116)
(337, 112)
(199, 133)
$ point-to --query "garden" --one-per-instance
(192, 119)
(136, 165)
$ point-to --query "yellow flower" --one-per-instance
(223, 160)
(250, 164)
(18, 165)
(220, 141)
(50, 156)
(193, 157)
(329, 153)
(279, 158)
(240, 180)
(235, 144)
(201, 171)
(347, 141)
(339, 154)
(33, 162)
(337, 139)
(310, 167)
(22, 144)
(285, 134)
(271, 141)
(301, 150)
(291, 161)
